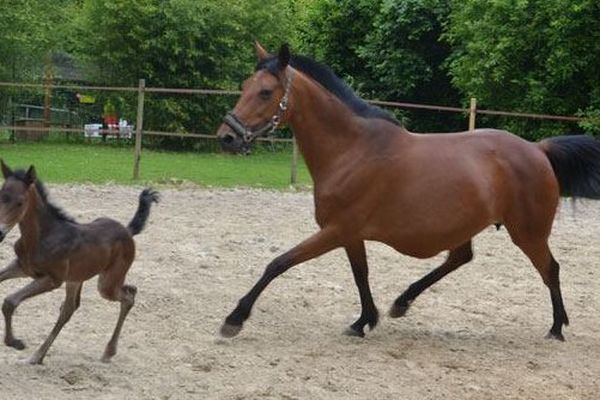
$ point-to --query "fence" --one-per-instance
(141, 90)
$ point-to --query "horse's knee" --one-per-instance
(127, 296)
(279, 265)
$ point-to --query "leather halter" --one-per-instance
(245, 132)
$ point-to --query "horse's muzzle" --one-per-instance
(230, 142)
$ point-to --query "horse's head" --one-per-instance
(14, 197)
(262, 105)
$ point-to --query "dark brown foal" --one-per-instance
(54, 248)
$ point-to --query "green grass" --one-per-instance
(96, 163)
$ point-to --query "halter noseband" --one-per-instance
(246, 133)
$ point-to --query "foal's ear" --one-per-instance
(30, 176)
(283, 56)
(261, 53)
(6, 171)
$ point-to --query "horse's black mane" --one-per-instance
(327, 78)
(55, 211)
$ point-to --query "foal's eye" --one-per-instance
(265, 94)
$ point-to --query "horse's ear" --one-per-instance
(6, 171)
(283, 56)
(261, 53)
(30, 176)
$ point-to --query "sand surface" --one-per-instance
(478, 334)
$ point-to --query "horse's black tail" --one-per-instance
(576, 164)
(147, 197)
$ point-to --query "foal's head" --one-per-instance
(14, 197)
(262, 104)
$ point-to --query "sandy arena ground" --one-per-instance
(478, 334)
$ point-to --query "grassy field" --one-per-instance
(83, 163)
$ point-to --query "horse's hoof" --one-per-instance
(33, 360)
(556, 336)
(229, 330)
(354, 332)
(106, 359)
(16, 343)
(398, 311)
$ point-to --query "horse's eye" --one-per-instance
(265, 94)
(5, 199)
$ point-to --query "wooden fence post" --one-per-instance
(472, 113)
(294, 171)
(138, 129)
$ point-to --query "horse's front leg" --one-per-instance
(369, 315)
(316, 245)
(13, 271)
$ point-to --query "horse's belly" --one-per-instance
(421, 234)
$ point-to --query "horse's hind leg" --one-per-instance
(11, 302)
(541, 257)
(456, 257)
(68, 307)
(369, 315)
(111, 287)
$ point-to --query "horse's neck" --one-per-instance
(323, 126)
(36, 220)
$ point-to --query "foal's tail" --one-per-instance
(147, 197)
(576, 164)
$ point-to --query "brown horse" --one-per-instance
(53, 249)
(420, 194)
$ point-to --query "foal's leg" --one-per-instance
(369, 315)
(544, 262)
(111, 287)
(316, 245)
(12, 271)
(38, 286)
(456, 257)
(68, 307)
(127, 299)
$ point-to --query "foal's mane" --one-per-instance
(330, 81)
(55, 211)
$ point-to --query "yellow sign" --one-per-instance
(86, 99)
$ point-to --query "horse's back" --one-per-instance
(101, 243)
(436, 191)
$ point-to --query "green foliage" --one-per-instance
(514, 55)
(527, 55)
(333, 31)
(386, 49)
(179, 43)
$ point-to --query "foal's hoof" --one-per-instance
(230, 330)
(398, 311)
(556, 336)
(354, 332)
(33, 360)
(106, 359)
(15, 343)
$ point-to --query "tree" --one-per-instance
(179, 43)
(535, 56)
(386, 49)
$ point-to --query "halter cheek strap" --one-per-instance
(247, 134)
